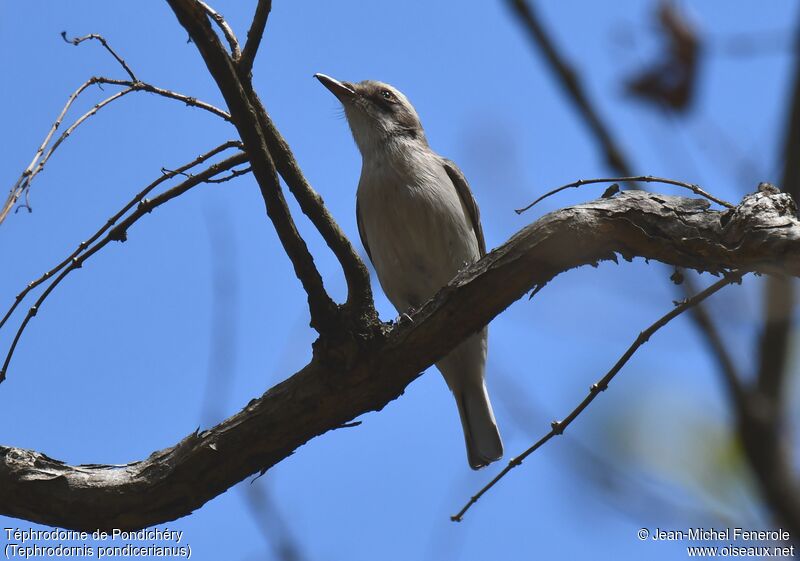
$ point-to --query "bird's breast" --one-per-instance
(415, 226)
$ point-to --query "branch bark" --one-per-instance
(254, 35)
(357, 376)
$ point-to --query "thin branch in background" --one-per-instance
(643, 178)
(230, 36)
(254, 36)
(569, 79)
(111, 221)
(727, 367)
(225, 306)
(558, 427)
(119, 233)
(222, 360)
(78, 40)
(271, 523)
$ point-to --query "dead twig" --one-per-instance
(167, 174)
(642, 178)
(119, 233)
(40, 158)
(94, 36)
(230, 36)
(232, 175)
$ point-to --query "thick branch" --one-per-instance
(761, 234)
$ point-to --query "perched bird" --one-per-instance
(420, 225)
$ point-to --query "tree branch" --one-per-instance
(230, 36)
(254, 35)
(359, 291)
(762, 234)
(119, 233)
(264, 146)
(94, 36)
(40, 158)
(166, 175)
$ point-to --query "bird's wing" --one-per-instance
(465, 194)
(361, 232)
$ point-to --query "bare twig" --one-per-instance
(254, 35)
(643, 178)
(23, 183)
(119, 233)
(40, 158)
(78, 40)
(18, 187)
(558, 427)
(230, 36)
(188, 100)
(111, 221)
(233, 174)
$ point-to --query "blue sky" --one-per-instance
(116, 364)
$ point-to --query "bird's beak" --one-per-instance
(341, 90)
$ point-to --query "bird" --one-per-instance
(420, 225)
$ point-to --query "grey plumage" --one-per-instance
(420, 225)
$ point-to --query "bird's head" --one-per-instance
(377, 113)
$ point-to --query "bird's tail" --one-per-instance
(481, 435)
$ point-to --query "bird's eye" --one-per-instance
(386, 94)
